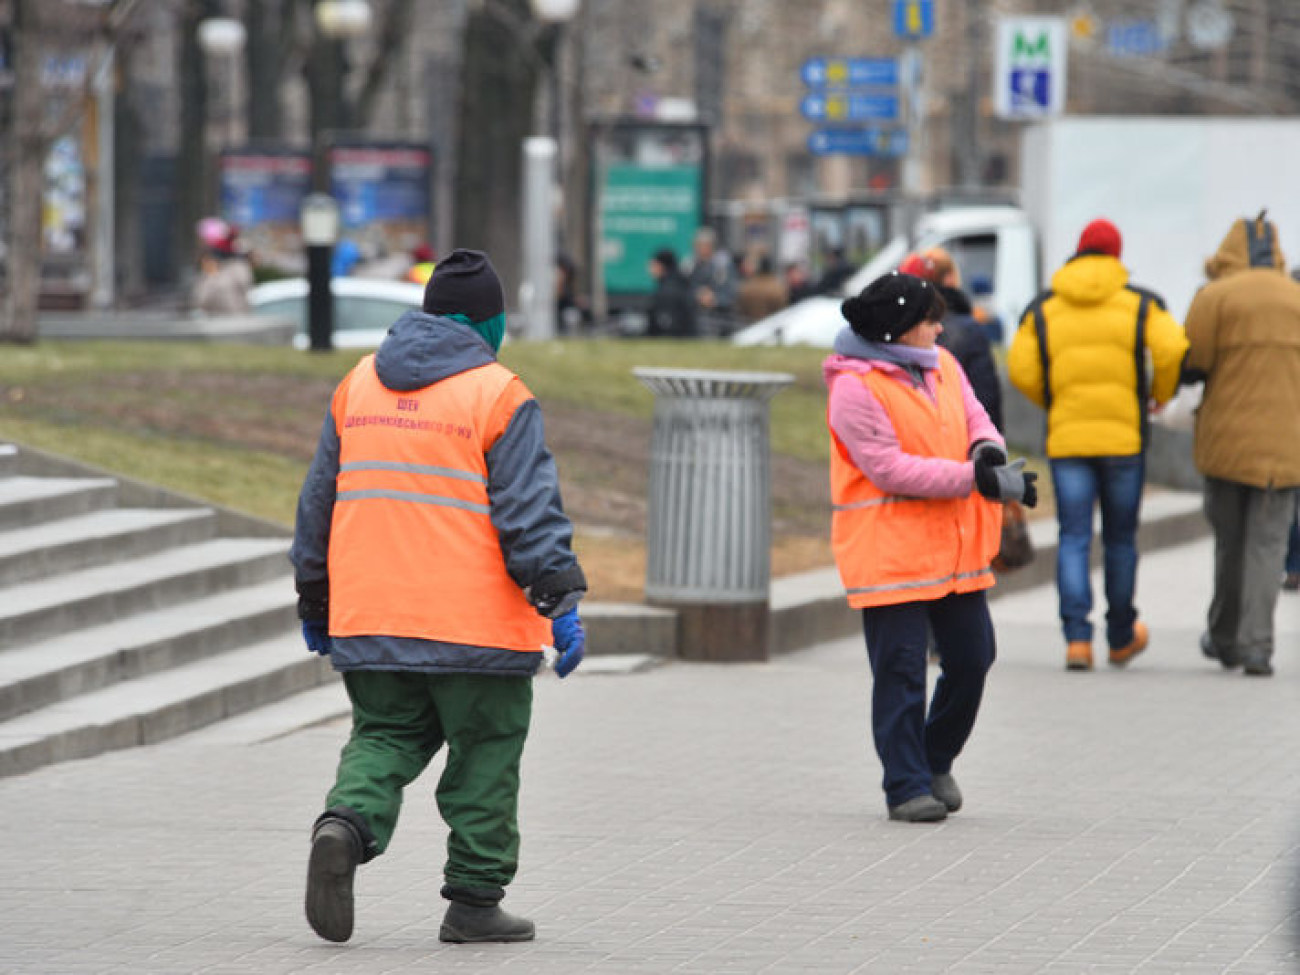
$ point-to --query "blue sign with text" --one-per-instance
(885, 143)
(849, 107)
(849, 72)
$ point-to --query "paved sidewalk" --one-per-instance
(728, 819)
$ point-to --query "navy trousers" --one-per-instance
(912, 744)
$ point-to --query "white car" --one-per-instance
(364, 308)
(994, 243)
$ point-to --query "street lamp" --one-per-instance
(320, 232)
(224, 38)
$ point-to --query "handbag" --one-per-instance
(1017, 549)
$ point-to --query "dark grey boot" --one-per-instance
(335, 853)
(919, 809)
(944, 788)
(466, 924)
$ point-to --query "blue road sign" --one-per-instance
(849, 107)
(913, 19)
(1031, 90)
(849, 72)
(858, 142)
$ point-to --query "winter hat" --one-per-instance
(1100, 237)
(465, 283)
(890, 306)
(665, 258)
(917, 265)
(464, 286)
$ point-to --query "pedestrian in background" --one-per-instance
(962, 335)
(225, 274)
(1244, 329)
(1081, 353)
(672, 307)
(1291, 582)
(761, 292)
(713, 280)
(917, 469)
(432, 560)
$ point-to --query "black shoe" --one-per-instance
(465, 924)
(920, 809)
(335, 853)
(1257, 667)
(944, 788)
(1292, 582)
(1228, 660)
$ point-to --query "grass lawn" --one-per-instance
(237, 425)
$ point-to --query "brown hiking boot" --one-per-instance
(1141, 637)
(1078, 655)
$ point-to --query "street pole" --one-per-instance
(538, 292)
(102, 290)
(913, 161)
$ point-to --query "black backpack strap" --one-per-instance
(1044, 359)
(1145, 300)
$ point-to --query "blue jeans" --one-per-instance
(1080, 482)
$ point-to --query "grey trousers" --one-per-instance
(1250, 534)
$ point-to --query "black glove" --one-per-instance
(1006, 482)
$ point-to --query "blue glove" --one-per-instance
(317, 635)
(570, 642)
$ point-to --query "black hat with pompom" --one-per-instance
(890, 306)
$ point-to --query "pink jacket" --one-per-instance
(867, 432)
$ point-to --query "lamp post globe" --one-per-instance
(342, 19)
(555, 11)
(222, 36)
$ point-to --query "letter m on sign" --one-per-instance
(1031, 47)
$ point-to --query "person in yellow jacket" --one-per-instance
(433, 561)
(1094, 352)
(916, 470)
(1244, 329)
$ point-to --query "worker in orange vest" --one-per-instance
(433, 562)
(917, 471)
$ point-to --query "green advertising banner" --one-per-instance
(644, 209)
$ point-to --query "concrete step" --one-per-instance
(35, 610)
(26, 500)
(85, 660)
(97, 538)
(161, 706)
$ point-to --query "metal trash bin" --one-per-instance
(709, 535)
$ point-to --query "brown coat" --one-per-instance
(760, 296)
(1244, 330)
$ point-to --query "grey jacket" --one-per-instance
(523, 496)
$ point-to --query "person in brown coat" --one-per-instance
(761, 293)
(1244, 334)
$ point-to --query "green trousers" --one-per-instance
(399, 721)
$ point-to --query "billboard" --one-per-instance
(384, 193)
(261, 193)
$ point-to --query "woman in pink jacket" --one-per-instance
(917, 469)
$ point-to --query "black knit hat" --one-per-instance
(465, 283)
(891, 305)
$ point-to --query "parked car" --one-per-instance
(364, 308)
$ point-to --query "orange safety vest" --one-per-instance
(412, 550)
(895, 549)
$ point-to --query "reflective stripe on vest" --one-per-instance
(889, 552)
(413, 552)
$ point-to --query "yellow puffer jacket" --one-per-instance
(1091, 316)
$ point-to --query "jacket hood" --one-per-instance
(421, 349)
(1233, 254)
(1089, 279)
